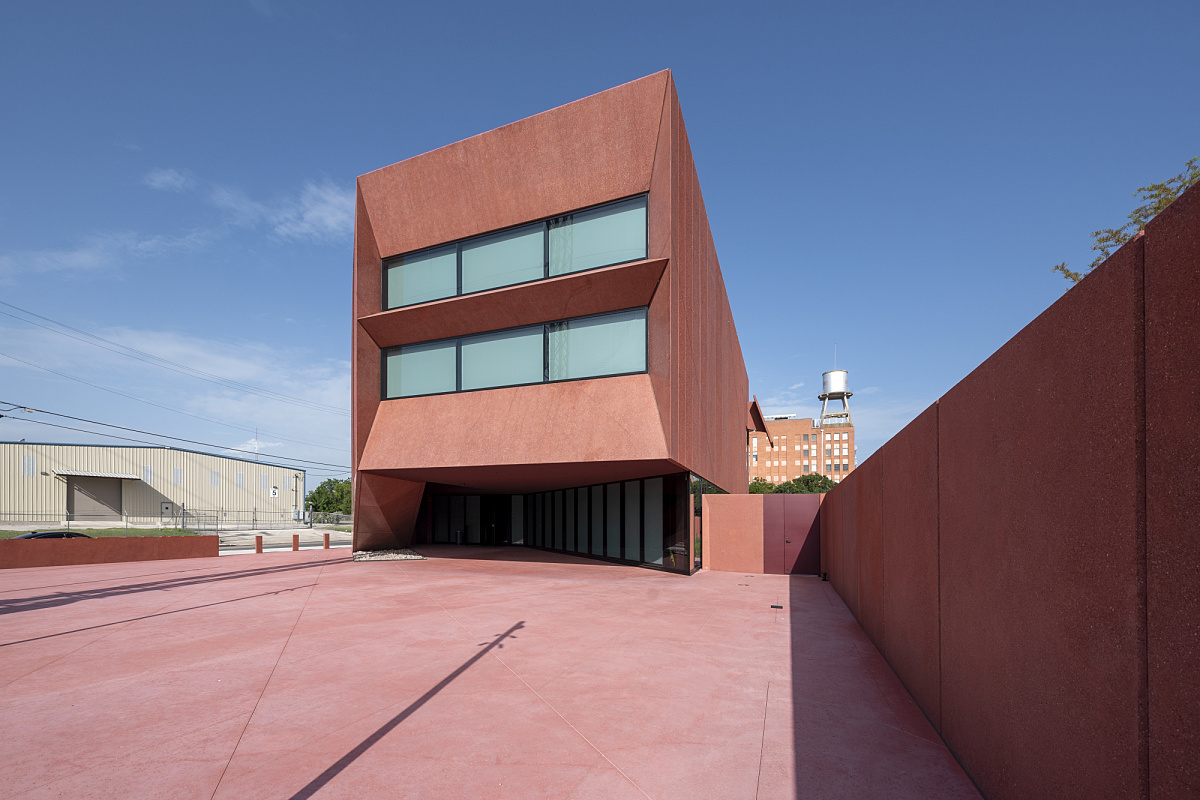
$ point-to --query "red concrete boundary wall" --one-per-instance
(18, 553)
(1026, 552)
(772, 534)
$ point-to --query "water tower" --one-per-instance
(835, 386)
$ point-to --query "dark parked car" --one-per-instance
(53, 535)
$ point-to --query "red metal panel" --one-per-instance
(733, 532)
(1173, 495)
(774, 534)
(803, 540)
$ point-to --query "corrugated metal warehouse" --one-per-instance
(57, 483)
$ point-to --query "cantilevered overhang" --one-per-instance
(522, 435)
(527, 478)
(574, 295)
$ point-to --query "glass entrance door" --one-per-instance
(472, 519)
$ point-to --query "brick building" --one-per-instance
(794, 447)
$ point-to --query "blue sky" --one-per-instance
(892, 178)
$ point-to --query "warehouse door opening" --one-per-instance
(93, 498)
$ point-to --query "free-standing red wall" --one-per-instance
(1039, 560)
(911, 622)
(1041, 599)
(1173, 496)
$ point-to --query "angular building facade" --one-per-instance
(544, 352)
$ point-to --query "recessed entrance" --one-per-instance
(473, 519)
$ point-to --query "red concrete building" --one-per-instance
(544, 352)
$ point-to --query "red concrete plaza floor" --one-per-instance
(478, 673)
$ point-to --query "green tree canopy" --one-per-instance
(760, 486)
(332, 495)
(1155, 198)
(812, 483)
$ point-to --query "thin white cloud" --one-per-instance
(795, 386)
(169, 180)
(263, 8)
(321, 211)
(97, 253)
(239, 209)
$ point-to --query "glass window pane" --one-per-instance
(418, 369)
(633, 521)
(614, 521)
(505, 258)
(422, 277)
(609, 344)
(569, 521)
(473, 521)
(612, 234)
(581, 519)
(558, 520)
(653, 531)
(597, 520)
(502, 359)
(540, 539)
(518, 519)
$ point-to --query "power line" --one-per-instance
(164, 363)
(145, 433)
(154, 444)
(167, 408)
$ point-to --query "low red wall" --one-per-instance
(1025, 552)
(733, 532)
(18, 553)
(773, 534)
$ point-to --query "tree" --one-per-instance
(812, 483)
(332, 495)
(1155, 197)
(760, 486)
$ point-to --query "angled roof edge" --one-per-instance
(667, 79)
(755, 421)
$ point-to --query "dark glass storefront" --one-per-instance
(646, 521)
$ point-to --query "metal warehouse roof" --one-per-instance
(78, 473)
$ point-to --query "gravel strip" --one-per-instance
(403, 554)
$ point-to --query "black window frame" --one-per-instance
(397, 260)
(545, 326)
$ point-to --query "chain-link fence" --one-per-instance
(330, 518)
(206, 520)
